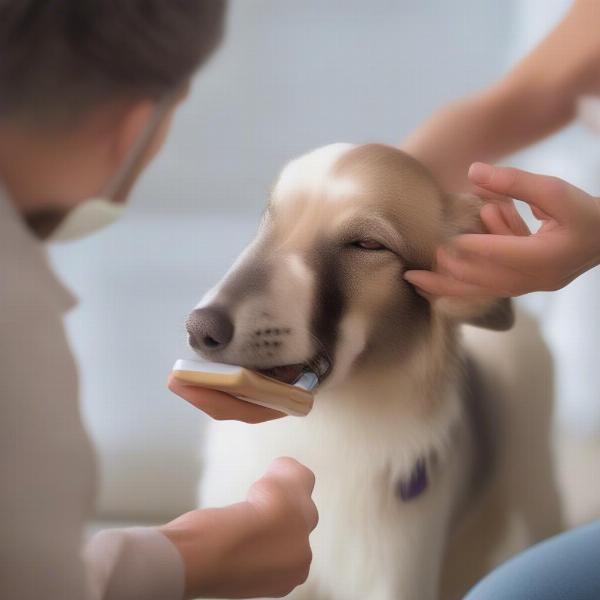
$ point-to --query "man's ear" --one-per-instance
(461, 215)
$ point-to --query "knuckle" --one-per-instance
(307, 559)
(302, 567)
(273, 496)
(309, 476)
(304, 573)
(250, 419)
(287, 463)
(458, 272)
(511, 291)
(451, 265)
(549, 281)
(273, 489)
(553, 187)
(296, 469)
(552, 286)
(511, 178)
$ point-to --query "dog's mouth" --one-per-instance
(319, 366)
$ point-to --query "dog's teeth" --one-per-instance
(322, 366)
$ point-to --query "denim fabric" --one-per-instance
(565, 567)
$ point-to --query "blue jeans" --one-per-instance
(565, 567)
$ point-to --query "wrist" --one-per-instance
(207, 541)
(457, 135)
(199, 542)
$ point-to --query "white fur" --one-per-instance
(309, 171)
(353, 332)
(366, 433)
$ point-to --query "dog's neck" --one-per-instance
(418, 381)
(423, 392)
(417, 402)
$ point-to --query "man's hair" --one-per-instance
(60, 59)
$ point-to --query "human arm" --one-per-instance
(536, 98)
(256, 548)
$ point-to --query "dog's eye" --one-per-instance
(369, 245)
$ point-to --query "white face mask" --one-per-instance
(97, 213)
(87, 218)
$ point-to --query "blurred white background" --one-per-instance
(291, 75)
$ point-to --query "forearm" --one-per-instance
(485, 127)
(535, 99)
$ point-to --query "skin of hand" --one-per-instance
(256, 548)
(221, 406)
(509, 260)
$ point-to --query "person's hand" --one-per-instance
(221, 406)
(512, 261)
(257, 548)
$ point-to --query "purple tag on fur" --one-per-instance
(416, 484)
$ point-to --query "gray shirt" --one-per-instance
(47, 463)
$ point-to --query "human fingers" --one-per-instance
(494, 220)
(549, 194)
(289, 468)
(495, 279)
(286, 480)
(514, 219)
(522, 253)
(221, 406)
(502, 218)
(539, 214)
(430, 283)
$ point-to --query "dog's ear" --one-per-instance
(461, 215)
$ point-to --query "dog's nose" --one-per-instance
(209, 328)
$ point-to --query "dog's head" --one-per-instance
(321, 286)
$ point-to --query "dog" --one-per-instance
(430, 433)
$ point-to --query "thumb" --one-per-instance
(291, 472)
(550, 195)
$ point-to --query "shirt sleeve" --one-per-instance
(133, 564)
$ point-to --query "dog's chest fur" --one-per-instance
(361, 447)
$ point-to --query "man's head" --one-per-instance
(84, 77)
(61, 59)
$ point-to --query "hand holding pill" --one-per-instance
(222, 406)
